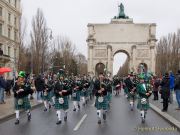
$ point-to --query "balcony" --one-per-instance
(4, 59)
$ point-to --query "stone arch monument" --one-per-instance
(137, 40)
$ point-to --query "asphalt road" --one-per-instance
(120, 121)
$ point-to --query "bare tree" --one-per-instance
(39, 42)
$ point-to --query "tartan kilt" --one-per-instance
(109, 96)
(26, 104)
(77, 98)
(63, 106)
(141, 106)
(131, 96)
(48, 97)
(126, 90)
(103, 105)
(84, 93)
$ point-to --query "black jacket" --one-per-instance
(39, 84)
(177, 82)
(165, 88)
(27, 90)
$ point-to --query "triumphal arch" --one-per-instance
(137, 40)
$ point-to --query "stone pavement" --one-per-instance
(7, 110)
(172, 115)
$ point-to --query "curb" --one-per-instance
(11, 116)
(166, 116)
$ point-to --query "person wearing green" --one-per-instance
(21, 91)
(144, 92)
(62, 91)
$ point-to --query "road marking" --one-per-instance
(80, 122)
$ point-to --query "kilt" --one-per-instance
(63, 106)
(48, 97)
(141, 106)
(85, 93)
(131, 96)
(77, 97)
(109, 96)
(103, 105)
(26, 104)
(126, 90)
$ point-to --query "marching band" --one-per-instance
(59, 89)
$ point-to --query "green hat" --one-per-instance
(22, 74)
(141, 76)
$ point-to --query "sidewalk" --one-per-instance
(172, 115)
(7, 110)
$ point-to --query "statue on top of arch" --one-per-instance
(121, 14)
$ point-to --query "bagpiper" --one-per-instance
(101, 102)
(62, 91)
(144, 92)
(131, 87)
(85, 90)
(21, 91)
(47, 93)
(76, 93)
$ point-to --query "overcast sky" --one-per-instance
(70, 17)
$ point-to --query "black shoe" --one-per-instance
(104, 116)
(49, 106)
(65, 118)
(58, 122)
(45, 110)
(99, 121)
(79, 107)
(16, 122)
(29, 116)
(164, 110)
(74, 109)
(143, 120)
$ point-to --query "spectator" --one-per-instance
(2, 87)
(9, 84)
(165, 92)
(172, 78)
(1, 52)
(155, 88)
(177, 89)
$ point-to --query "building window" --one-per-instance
(1, 10)
(9, 1)
(9, 33)
(9, 17)
(1, 29)
(15, 35)
(9, 50)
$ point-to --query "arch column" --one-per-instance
(153, 59)
(90, 58)
(133, 59)
(109, 52)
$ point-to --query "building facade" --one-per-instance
(10, 14)
(137, 40)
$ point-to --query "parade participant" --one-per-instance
(76, 94)
(109, 90)
(101, 103)
(39, 84)
(47, 94)
(144, 92)
(117, 85)
(21, 91)
(84, 92)
(61, 97)
(130, 84)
